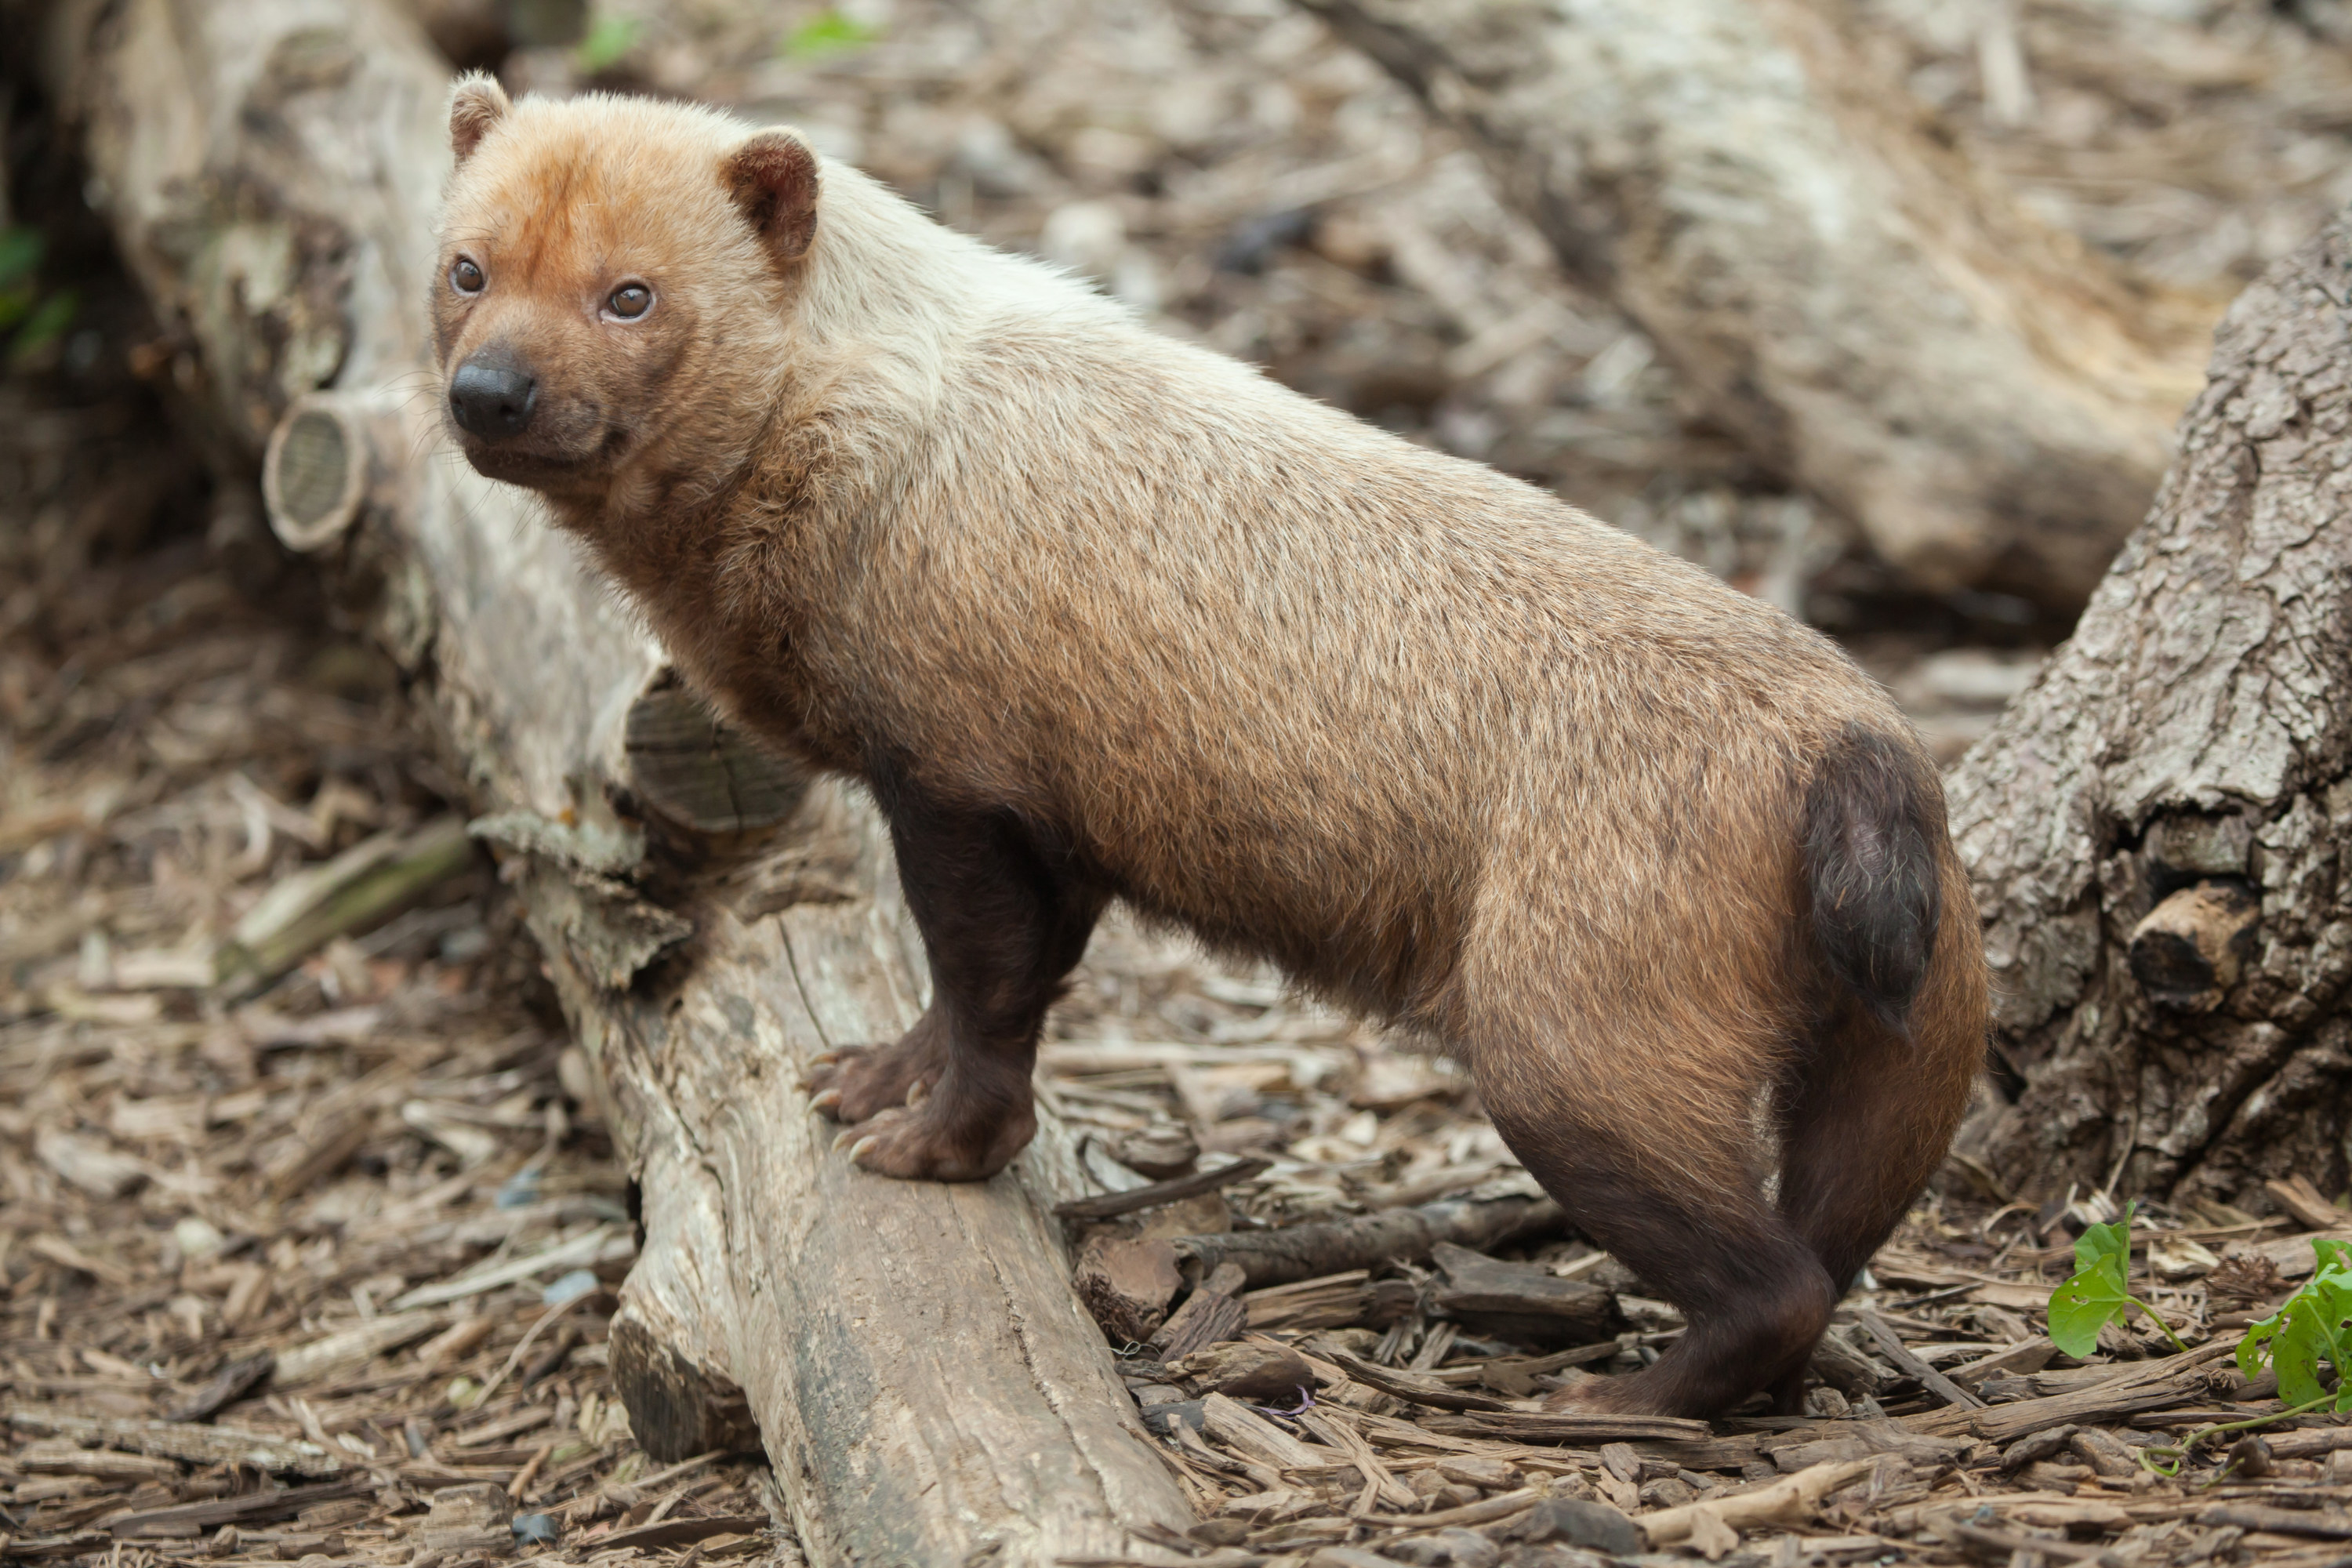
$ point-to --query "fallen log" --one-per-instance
(911, 1356)
(1988, 400)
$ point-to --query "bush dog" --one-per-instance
(1095, 614)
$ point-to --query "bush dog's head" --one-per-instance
(612, 272)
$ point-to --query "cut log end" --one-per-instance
(705, 779)
(2189, 950)
(315, 473)
(677, 1407)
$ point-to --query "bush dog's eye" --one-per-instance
(630, 301)
(465, 277)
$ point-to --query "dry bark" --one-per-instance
(911, 1356)
(1988, 402)
(2155, 829)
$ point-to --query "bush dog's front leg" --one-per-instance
(1002, 926)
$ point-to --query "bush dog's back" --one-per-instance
(1095, 614)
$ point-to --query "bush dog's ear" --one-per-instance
(772, 178)
(476, 103)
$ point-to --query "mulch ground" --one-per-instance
(309, 1235)
(316, 1265)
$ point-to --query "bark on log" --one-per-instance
(1988, 401)
(2158, 828)
(912, 1356)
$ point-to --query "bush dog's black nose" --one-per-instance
(492, 400)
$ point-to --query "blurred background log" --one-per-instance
(2157, 828)
(1989, 401)
(912, 1357)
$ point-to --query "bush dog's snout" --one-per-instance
(492, 397)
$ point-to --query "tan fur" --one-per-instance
(1449, 751)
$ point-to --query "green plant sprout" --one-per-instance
(2314, 1325)
(39, 319)
(825, 35)
(609, 38)
(2099, 1290)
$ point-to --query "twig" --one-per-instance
(524, 1343)
(530, 1471)
(1111, 1206)
(1901, 1355)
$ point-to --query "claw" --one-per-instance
(918, 1092)
(825, 1099)
(845, 1137)
(825, 1058)
(858, 1150)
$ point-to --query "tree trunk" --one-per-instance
(1988, 402)
(911, 1356)
(2154, 828)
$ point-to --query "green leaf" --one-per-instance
(2312, 1330)
(2302, 1343)
(2109, 1243)
(47, 323)
(2082, 1306)
(827, 33)
(2253, 1347)
(609, 38)
(20, 253)
(2095, 1293)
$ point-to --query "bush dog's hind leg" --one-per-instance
(1679, 1202)
(1867, 1114)
(1867, 1108)
(1002, 926)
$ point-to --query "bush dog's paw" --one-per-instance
(857, 1082)
(939, 1142)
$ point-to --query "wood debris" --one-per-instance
(288, 1165)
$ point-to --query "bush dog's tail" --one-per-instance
(1874, 820)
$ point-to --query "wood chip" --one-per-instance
(1419, 1390)
(191, 1519)
(2319, 1525)
(101, 1172)
(680, 1531)
(2309, 1206)
(232, 1382)
(1517, 1302)
(2149, 1385)
(2026, 1356)
(1126, 1284)
(1788, 1503)
(605, 1243)
(351, 1347)
(1563, 1427)
(56, 1250)
(1252, 1437)
(1209, 1314)
(197, 1445)
(60, 1458)
(1898, 1353)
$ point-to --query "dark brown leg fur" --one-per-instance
(1865, 1121)
(950, 1101)
(1753, 1295)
